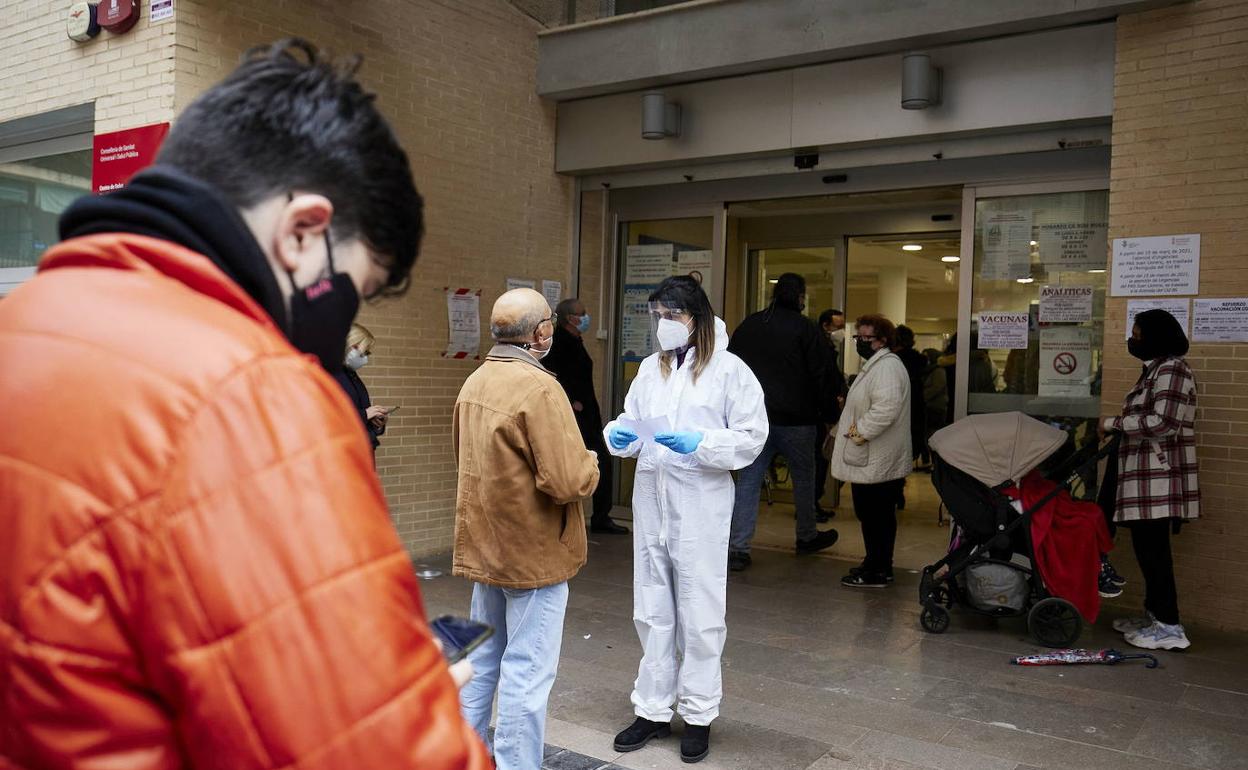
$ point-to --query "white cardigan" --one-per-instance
(879, 404)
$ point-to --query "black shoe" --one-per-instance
(695, 744)
(888, 574)
(1106, 586)
(864, 580)
(641, 732)
(825, 539)
(1108, 572)
(823, 515)
(609, 528)
(738, 560)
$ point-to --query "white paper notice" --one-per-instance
(1166, 265)
(520, 283)
(1179, 308)
(1003, 331)
(1073, 245)
(1065, 304)
(1065, 362)
(160, 10)
(698, 264)
(463, 311)
(553, 292)
(1221, 320)
(645, 429)
(636, 339)
(648, 264)
(1007, 245)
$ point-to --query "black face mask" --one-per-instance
(321, 315)
(864, 348)
(1141, 349)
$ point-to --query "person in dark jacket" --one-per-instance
(572, 366)
(792, 361)
(916, 366)
(360, 343)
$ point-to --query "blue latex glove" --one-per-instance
(683, 442)
(620, 437)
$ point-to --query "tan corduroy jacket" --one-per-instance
(523, 470)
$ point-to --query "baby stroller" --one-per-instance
(991, 545)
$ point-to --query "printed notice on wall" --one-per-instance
(553, 292)
(463, 308)
(160, 10)
(1065, 362)
(697, 264)
(521, 283)
(1167, 265)
(635, 337)
(1003, 331)
(1073, 245)
(1006, 238)
(1220, 320)
(648, 264)
(1175, 307)
(1065, 304)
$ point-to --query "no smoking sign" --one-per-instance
(1065, 363)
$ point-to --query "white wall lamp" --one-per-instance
(659, 117)
(920, 82)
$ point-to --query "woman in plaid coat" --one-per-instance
(1157, 480)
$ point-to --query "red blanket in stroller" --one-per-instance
(1069, 537)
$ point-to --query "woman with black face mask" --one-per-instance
(1157, 484)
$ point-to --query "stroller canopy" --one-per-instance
(995, 448)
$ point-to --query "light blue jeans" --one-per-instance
(519, 663)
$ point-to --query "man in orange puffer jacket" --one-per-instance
(197, 568)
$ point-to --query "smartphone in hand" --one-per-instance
(459, 636)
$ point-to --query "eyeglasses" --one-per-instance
(864, 337)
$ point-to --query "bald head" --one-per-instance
(517, 314)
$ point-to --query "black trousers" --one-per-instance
(604, 494)
(875, 505)
(821, 462)
(1151, 542)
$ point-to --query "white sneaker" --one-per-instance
(1159, 636)
(1128, 625)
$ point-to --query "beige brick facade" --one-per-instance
(1180, 165)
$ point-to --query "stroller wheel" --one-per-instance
(934, 618)
(1055, 622)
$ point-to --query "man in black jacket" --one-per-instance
(801, 381)
(574, 369)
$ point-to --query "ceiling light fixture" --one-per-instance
(951, 258)
(1026, 280)
(912, 247)
(1096, 271)
(1033, 243)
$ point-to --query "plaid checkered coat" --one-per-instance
(1157, 458)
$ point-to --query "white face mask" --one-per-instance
(672, 334)
(356, 359)
(550, 343)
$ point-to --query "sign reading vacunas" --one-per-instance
(117, 156)
(1003, 331)
(1166, 265)
(1221, 320)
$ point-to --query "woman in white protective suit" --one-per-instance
(714, 422)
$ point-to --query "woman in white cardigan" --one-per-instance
(872, 450)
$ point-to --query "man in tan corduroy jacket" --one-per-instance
(519, 527)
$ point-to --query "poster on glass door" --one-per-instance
(1065, 362)
(1074, 245)
(1006, 238)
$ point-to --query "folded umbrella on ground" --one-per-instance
(1071, 657)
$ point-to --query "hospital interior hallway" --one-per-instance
(822, 677)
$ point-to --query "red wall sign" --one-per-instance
(120, 155)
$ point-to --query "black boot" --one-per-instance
(696, 744)
(639, 733)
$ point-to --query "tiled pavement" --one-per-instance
(818, 677)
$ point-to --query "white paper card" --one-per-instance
(160, 10)
(1066, 304)
(1073, 245)
(1179, 308)
(648, 264)
(1003, 331)
(520, 283)
(553, 292)
(646, 429)
(463, 312)
(1221, 320)
(1007, 245)
(1167, 265)
(1065, 362)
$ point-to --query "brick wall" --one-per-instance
(1180, 165)
(456, 80)
(128, 76)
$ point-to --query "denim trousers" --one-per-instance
(797, 444)
(519, 663)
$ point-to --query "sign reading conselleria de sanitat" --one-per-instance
(119, 155)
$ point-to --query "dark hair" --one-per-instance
(1162, 334)
(288, 119)
(789, 290)
(905, 336)
(566, 308)
(885, 332)
(826, 316)
(685, 293)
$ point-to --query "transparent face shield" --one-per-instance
(662, 329)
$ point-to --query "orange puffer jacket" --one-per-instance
(197, 569)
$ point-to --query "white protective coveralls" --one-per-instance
(682, 512)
